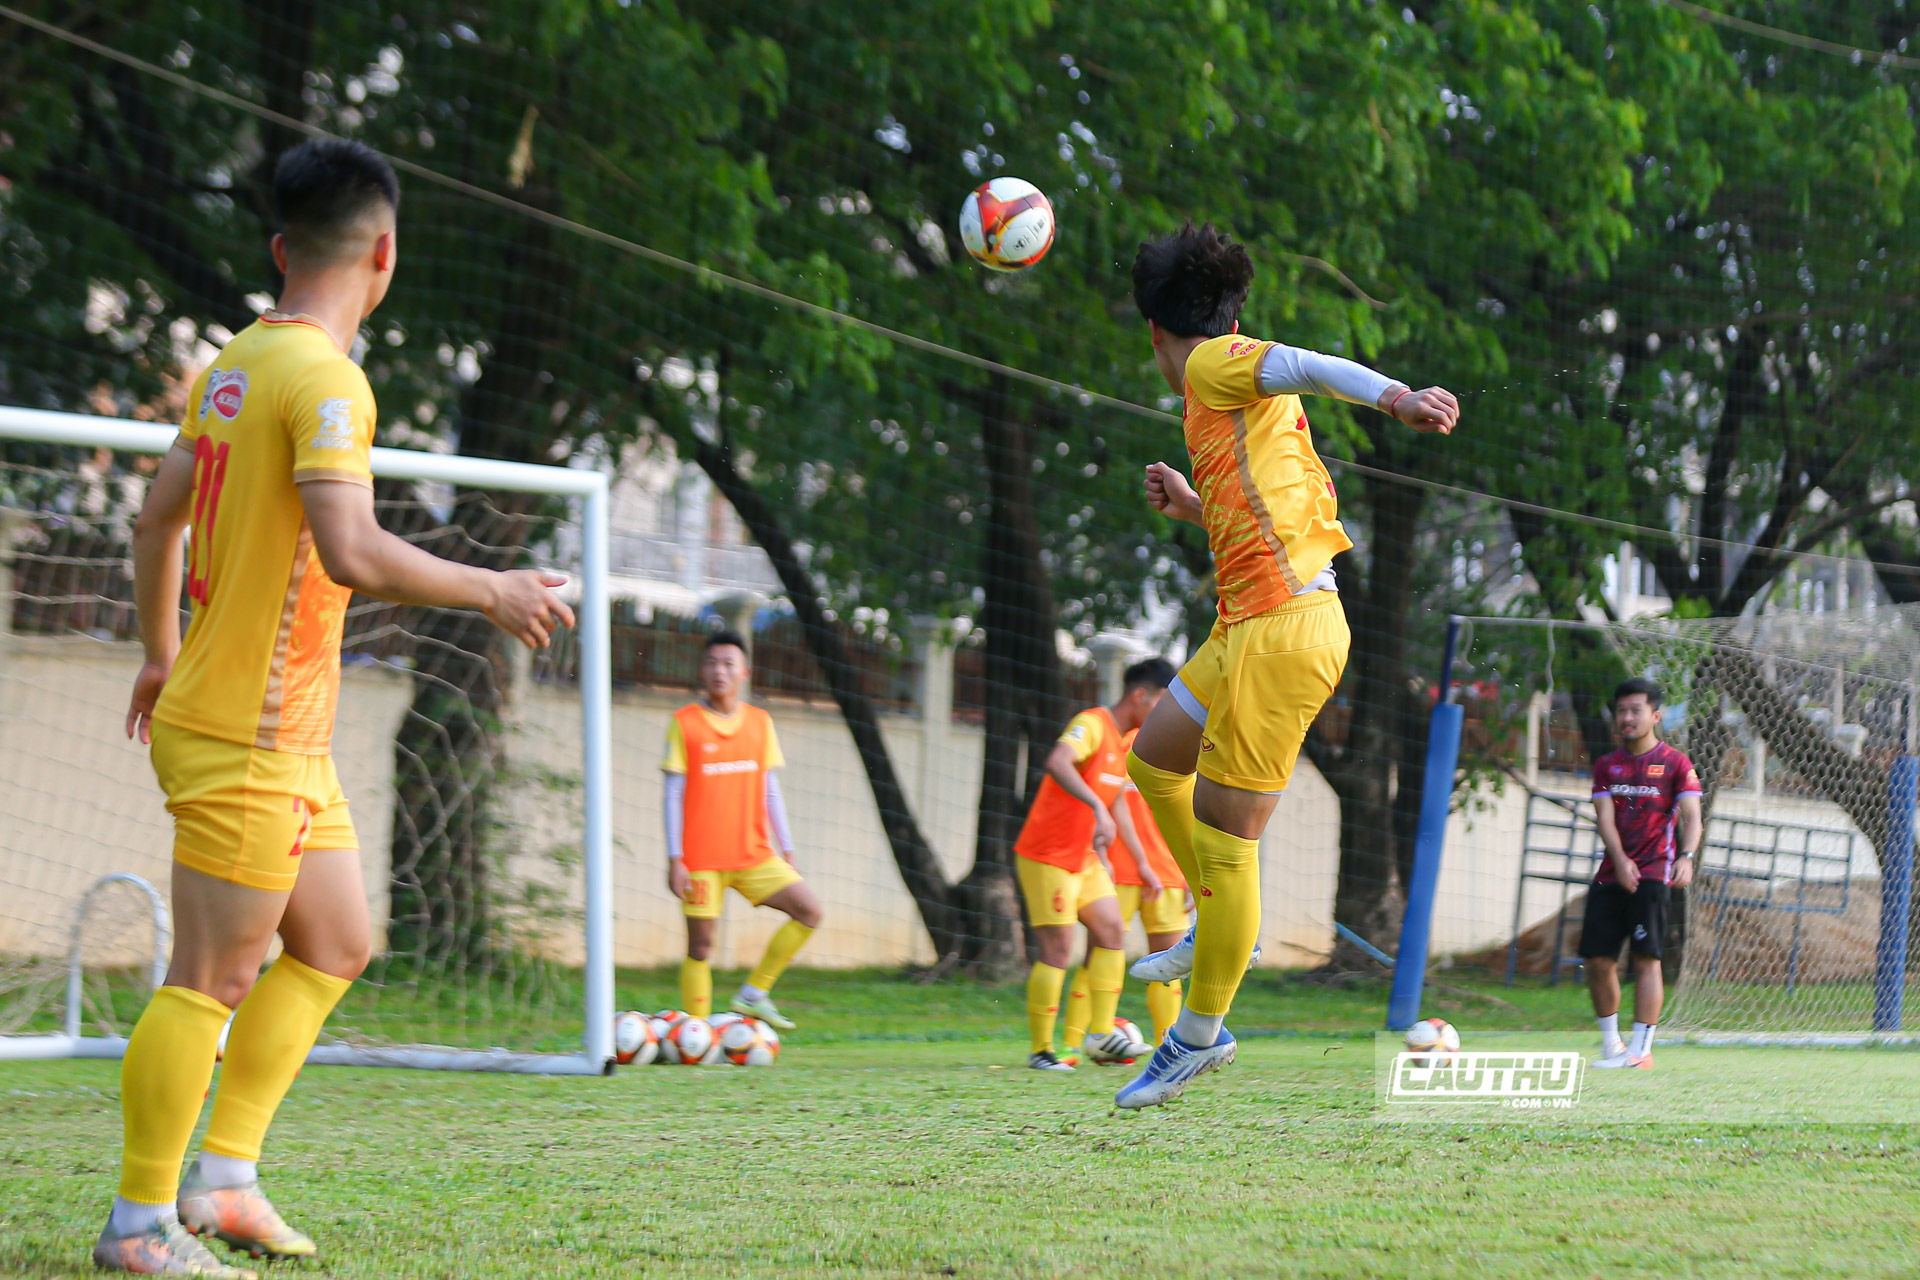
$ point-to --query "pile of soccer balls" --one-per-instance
(674, 1037)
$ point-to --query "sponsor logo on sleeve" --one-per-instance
(226, 392)
(336, 424)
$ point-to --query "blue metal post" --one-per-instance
(1436, 801)
(1896, 895)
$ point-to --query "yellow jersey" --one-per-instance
(1272, 519)
(260, 663)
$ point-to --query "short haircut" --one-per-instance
(1193, 282)
(1149, 673)
(324, 190)
(1638, 684)
(725, 636)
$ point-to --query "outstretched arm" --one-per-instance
(1286, 370)
(358, 553)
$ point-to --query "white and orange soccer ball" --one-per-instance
(768, 1035)
(1432, 1042)
(689, 1042)
(744, 1046)
(1007, 224)
(634, 1041)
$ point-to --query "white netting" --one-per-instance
(462, 762)
(1796, 722)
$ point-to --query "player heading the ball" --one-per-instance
(724, 813)
(1637, 792)
(1241, 707)
(1061, 860)
(271, 474)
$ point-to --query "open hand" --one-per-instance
(146, 692)
(1103, 830)
(525, 607)
(1169, 493)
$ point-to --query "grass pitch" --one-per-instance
(900, 1136)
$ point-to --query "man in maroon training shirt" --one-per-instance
(1636, 794)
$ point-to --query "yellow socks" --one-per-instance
(1078, 1006)
(272, 1030)
(696, 987)
(1170, 796)
(781, 949)
(1227, 890)
(1163, 1003)
(1106, 971)
(1043, 1002)
(163, 1082)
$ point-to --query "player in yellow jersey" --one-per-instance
(724, 816)
(1241, 707)
(1061, 860)
(270, 474)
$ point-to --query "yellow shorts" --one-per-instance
(756, 884)
(1262, 682)
(1057, 896)
(245, 814)
(1164, 912)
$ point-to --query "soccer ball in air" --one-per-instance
(687, 1042)
(743, 1047)
(1006, 224)
(634, 1041)
(1432, 1041)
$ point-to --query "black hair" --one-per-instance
(1149, 673)
(1638, 684)
(1193, 282)
(725, 635)
(323, 188)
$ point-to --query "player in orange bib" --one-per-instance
(724, 814)
(1061, 860)
(270, 476)
(1148, 883)
(1242, 705)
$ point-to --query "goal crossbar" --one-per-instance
(596, 682)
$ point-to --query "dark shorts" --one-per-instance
(1615, 916)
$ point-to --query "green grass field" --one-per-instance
(899, 1136)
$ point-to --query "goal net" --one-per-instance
(1802, 726)
(478, 778)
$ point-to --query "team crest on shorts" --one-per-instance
(226, 392)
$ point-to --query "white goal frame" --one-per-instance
(596, 685)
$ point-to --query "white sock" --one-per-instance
(1609, 1031)
(130, 1216)
(1642, 1039)
(1198, 1030)
(228, 1171)
(749, 992)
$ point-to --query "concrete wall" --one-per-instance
(77, 800)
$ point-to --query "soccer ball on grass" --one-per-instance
(634, 1041)
(1432, 1042)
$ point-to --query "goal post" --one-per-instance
(587, 490)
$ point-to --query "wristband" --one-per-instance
(1395, 402)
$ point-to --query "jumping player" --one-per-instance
(1637, 791)
(1061, 859)
(1146, 883)
(271, 475)
(724, 812)
(1241, 707)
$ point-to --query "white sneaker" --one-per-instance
(1173, 1064)
(1175, 962)
(1043, 1060)
(1115, 1047)
(1618, 1058)
(1618, 1049)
